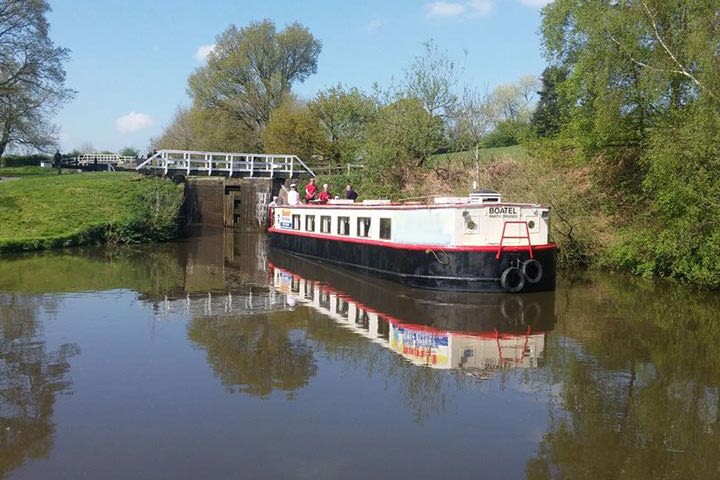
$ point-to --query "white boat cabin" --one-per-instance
(479, 220)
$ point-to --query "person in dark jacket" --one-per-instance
(350, 194)
(57, 158)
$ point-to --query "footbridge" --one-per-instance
(227, 189)
(100, 161)
(192, 163)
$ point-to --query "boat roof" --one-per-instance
(388, 205)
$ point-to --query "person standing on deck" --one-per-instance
(293, 195)
(325, 194)
(350, 193)
(310, 190)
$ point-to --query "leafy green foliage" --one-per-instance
(548, 116)
(294, 129)
(643, 107)
(344, 115)
(24, 160)
(129, 151)
(505, 134)
(402, 138)
(252, 69)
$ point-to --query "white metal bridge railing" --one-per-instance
(104, 158)
(219, 163)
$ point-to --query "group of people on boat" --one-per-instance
(312, 195)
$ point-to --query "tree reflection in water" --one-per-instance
(257, 354)
(637, 396)
(30, 378)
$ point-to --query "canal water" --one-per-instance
(214, 357)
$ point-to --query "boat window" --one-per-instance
(296, 222)
(310, 223)
(324, 224)
(309, 291)
(363, 226)
(385, 228)
(342, 307)
(324, 299)
(343, 226)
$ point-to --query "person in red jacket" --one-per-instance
(325, 194)
(310, 191)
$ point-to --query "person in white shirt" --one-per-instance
(293, 195)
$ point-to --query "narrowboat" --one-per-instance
(474, 244)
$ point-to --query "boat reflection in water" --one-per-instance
(477, 333)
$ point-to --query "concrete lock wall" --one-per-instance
(236, 202)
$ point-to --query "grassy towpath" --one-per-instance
(39, 212)
(28, 171)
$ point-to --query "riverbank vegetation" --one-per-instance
(620, 134)
(90, 208)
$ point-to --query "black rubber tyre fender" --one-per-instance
(512, 280)
(532, 271)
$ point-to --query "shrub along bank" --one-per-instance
(93, 208)
(594, 226)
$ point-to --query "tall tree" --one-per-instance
(547, 117)
(251, 69)
(402, 138)
(32, 77)
(432, 78)
(294, 129)
(344, 115)
(179, 134)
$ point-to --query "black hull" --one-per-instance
(438, 269)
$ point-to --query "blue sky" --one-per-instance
(130, 59)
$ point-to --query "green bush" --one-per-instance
(24, 160)
(153, 215)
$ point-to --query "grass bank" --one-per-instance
(517, 152)
(38, 212)
(32, 171)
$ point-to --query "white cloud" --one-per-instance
(133, 121)
(203, 51)
(373, 25)
(444, 9)
(471, 9)
(535, 3)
